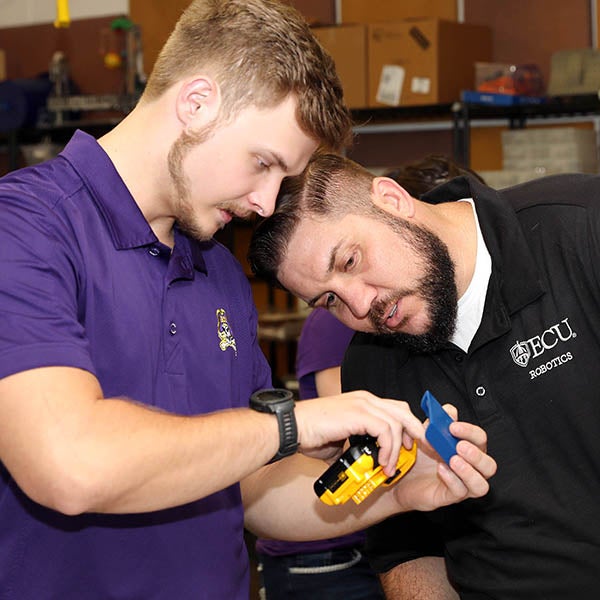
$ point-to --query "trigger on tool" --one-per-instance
(406, 460)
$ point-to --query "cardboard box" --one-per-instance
(423, 61)
(347, 45)
(574, 72)
(376, 11)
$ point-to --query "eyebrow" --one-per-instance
(330, 267)
(279, 160)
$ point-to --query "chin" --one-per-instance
(420, 344)
(414, 328)
(196, 232)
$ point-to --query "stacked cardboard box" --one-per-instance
(416, 61)
(347, 45)
(433, 57)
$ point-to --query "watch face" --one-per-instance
(275, 395)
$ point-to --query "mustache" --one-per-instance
(237, 211)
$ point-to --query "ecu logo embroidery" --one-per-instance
(226, 339)
(520, 354)
(523, 352)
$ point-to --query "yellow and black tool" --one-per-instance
(357, 472)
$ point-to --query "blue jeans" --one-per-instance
(342, 574)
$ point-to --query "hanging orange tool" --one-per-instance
(62, 14)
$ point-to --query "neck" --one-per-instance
(454, 223)
(138, 147)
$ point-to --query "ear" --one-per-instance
(392, 197)
(198, 101)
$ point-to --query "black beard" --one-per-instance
(437, 287)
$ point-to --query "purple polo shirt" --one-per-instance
(86, 284)
(322, 345)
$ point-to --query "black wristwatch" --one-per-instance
(280, 403)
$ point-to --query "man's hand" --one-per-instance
(325, 423)
(431, 483)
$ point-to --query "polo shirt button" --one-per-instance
(154, 251)
(172, 328)
(480, 391)
(458, 357)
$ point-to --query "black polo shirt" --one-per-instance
(531, 379)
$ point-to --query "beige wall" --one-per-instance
(33, 12)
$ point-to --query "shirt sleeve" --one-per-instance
(38, 320)
(322, 344)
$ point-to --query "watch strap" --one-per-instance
(288, 433)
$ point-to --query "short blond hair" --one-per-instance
(259, 52)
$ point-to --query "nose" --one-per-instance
(263, 199)
(359, 298)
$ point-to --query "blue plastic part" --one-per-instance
(437, 432)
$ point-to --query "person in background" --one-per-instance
(133, 448)
(335, 569)
(489, 299)
(420, 176)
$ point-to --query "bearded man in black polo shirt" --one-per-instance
(490, 300)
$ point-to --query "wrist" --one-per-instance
(279, 403)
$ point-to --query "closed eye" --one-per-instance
(262, 164)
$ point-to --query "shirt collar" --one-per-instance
(513, 264)
(124, 220)
(192, 249)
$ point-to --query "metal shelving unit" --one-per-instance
(460, 117)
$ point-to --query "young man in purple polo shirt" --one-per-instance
(128, 348)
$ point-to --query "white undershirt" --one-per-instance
(471, 303)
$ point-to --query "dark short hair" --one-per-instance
(330, 187)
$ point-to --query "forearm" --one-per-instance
(70, 449)
(172, 460)
(280, 503)
(420, 579)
